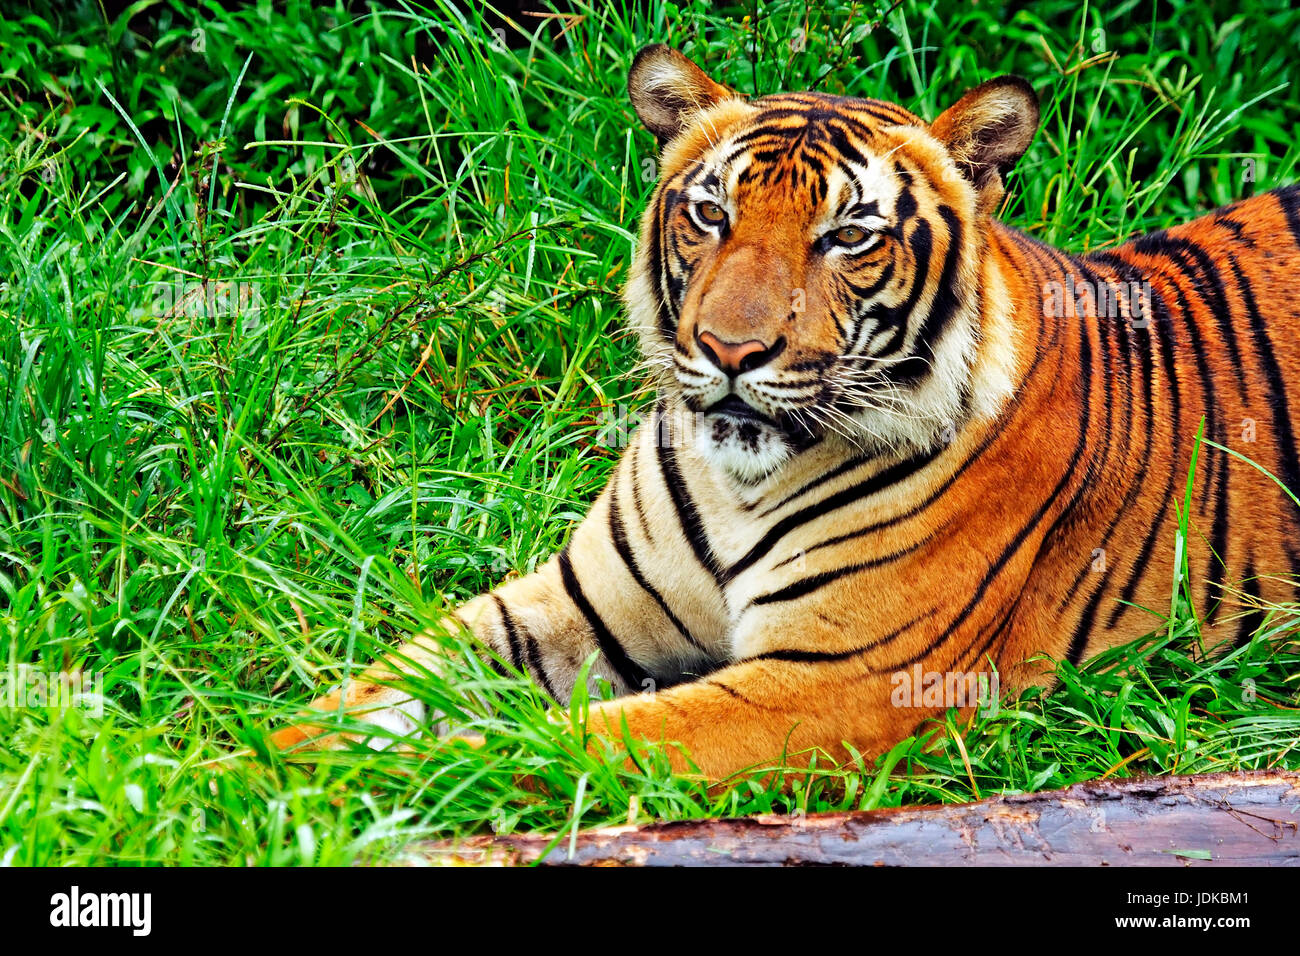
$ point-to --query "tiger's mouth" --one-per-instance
(747, 442)
(735, 407)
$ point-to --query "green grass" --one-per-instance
(413, 239)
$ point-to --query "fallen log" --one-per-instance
(1206, 820)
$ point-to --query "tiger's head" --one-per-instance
(811, 265)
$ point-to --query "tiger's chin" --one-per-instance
(747, 451)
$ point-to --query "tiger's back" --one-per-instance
(1217, 343)
(1199, 347)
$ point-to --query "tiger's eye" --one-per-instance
(849, 235)
(711, 212)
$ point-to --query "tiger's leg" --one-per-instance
(595, 595)
(375, 697)
(527, 622)
(782, 702)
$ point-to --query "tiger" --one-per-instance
(893, 436)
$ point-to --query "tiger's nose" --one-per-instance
(737, 357)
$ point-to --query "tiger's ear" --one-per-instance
(668, 90)
(987, 131)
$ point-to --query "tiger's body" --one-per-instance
(918, 440)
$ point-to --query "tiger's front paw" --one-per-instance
(391, 711)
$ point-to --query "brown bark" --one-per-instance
(1235, 818)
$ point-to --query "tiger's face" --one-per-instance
(808, 267)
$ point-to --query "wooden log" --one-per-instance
(1206, 820)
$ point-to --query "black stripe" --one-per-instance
(1138, 482)
(667, 328)
(1187, 256)
(852, 349)
(1218, 556)
(877, 482)
(498, 668)
(922, 246)
(1289, 199)
(997, 629)
(843, 148)
(1100, 453)
(945, 298)
(747, 701)
(1079, 640)
(1160, 319)
(905, 206)
(1213, 421)
(512, 635)
(536, 666)
(815, 582)
(990, 436)
(844, 466)
(618, 533)
(629, 672)
(726, 688)
(1218, 305)
(1180, 253)
(800, 656)
(634, 454)
(886, 115)
(1105, 326)
(1238, 229)
(688, 515)
(867, 291)
(1253, 621)
(1288, 449)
